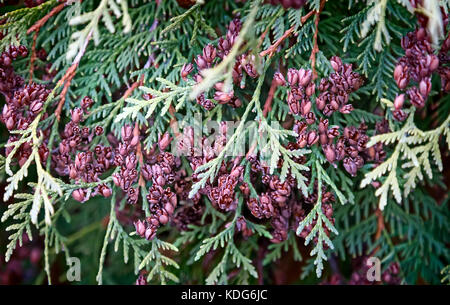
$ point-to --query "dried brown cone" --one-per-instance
(262, 207)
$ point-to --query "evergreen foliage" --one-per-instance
(128, 57)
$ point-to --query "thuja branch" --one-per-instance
(273, 48)
(216, 74)
(40, 23)
(92, 18)
(274, 146)
(176, 21)
(321, 225)
(119, 103)
(36, 28)
(308, 146)
(266, 110)
(413, 145)
(167, 96)
(45, 182)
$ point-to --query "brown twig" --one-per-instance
(66, 80)
(380, 223)
(133, 87)
(33, 56)
(140, 156)
(316, 46)
(380, 228)
(36, 28)
(273, 48)
(268, 103)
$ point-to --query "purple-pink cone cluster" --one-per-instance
(212, 56)
(416, 68)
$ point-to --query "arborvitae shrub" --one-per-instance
(224, 141)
